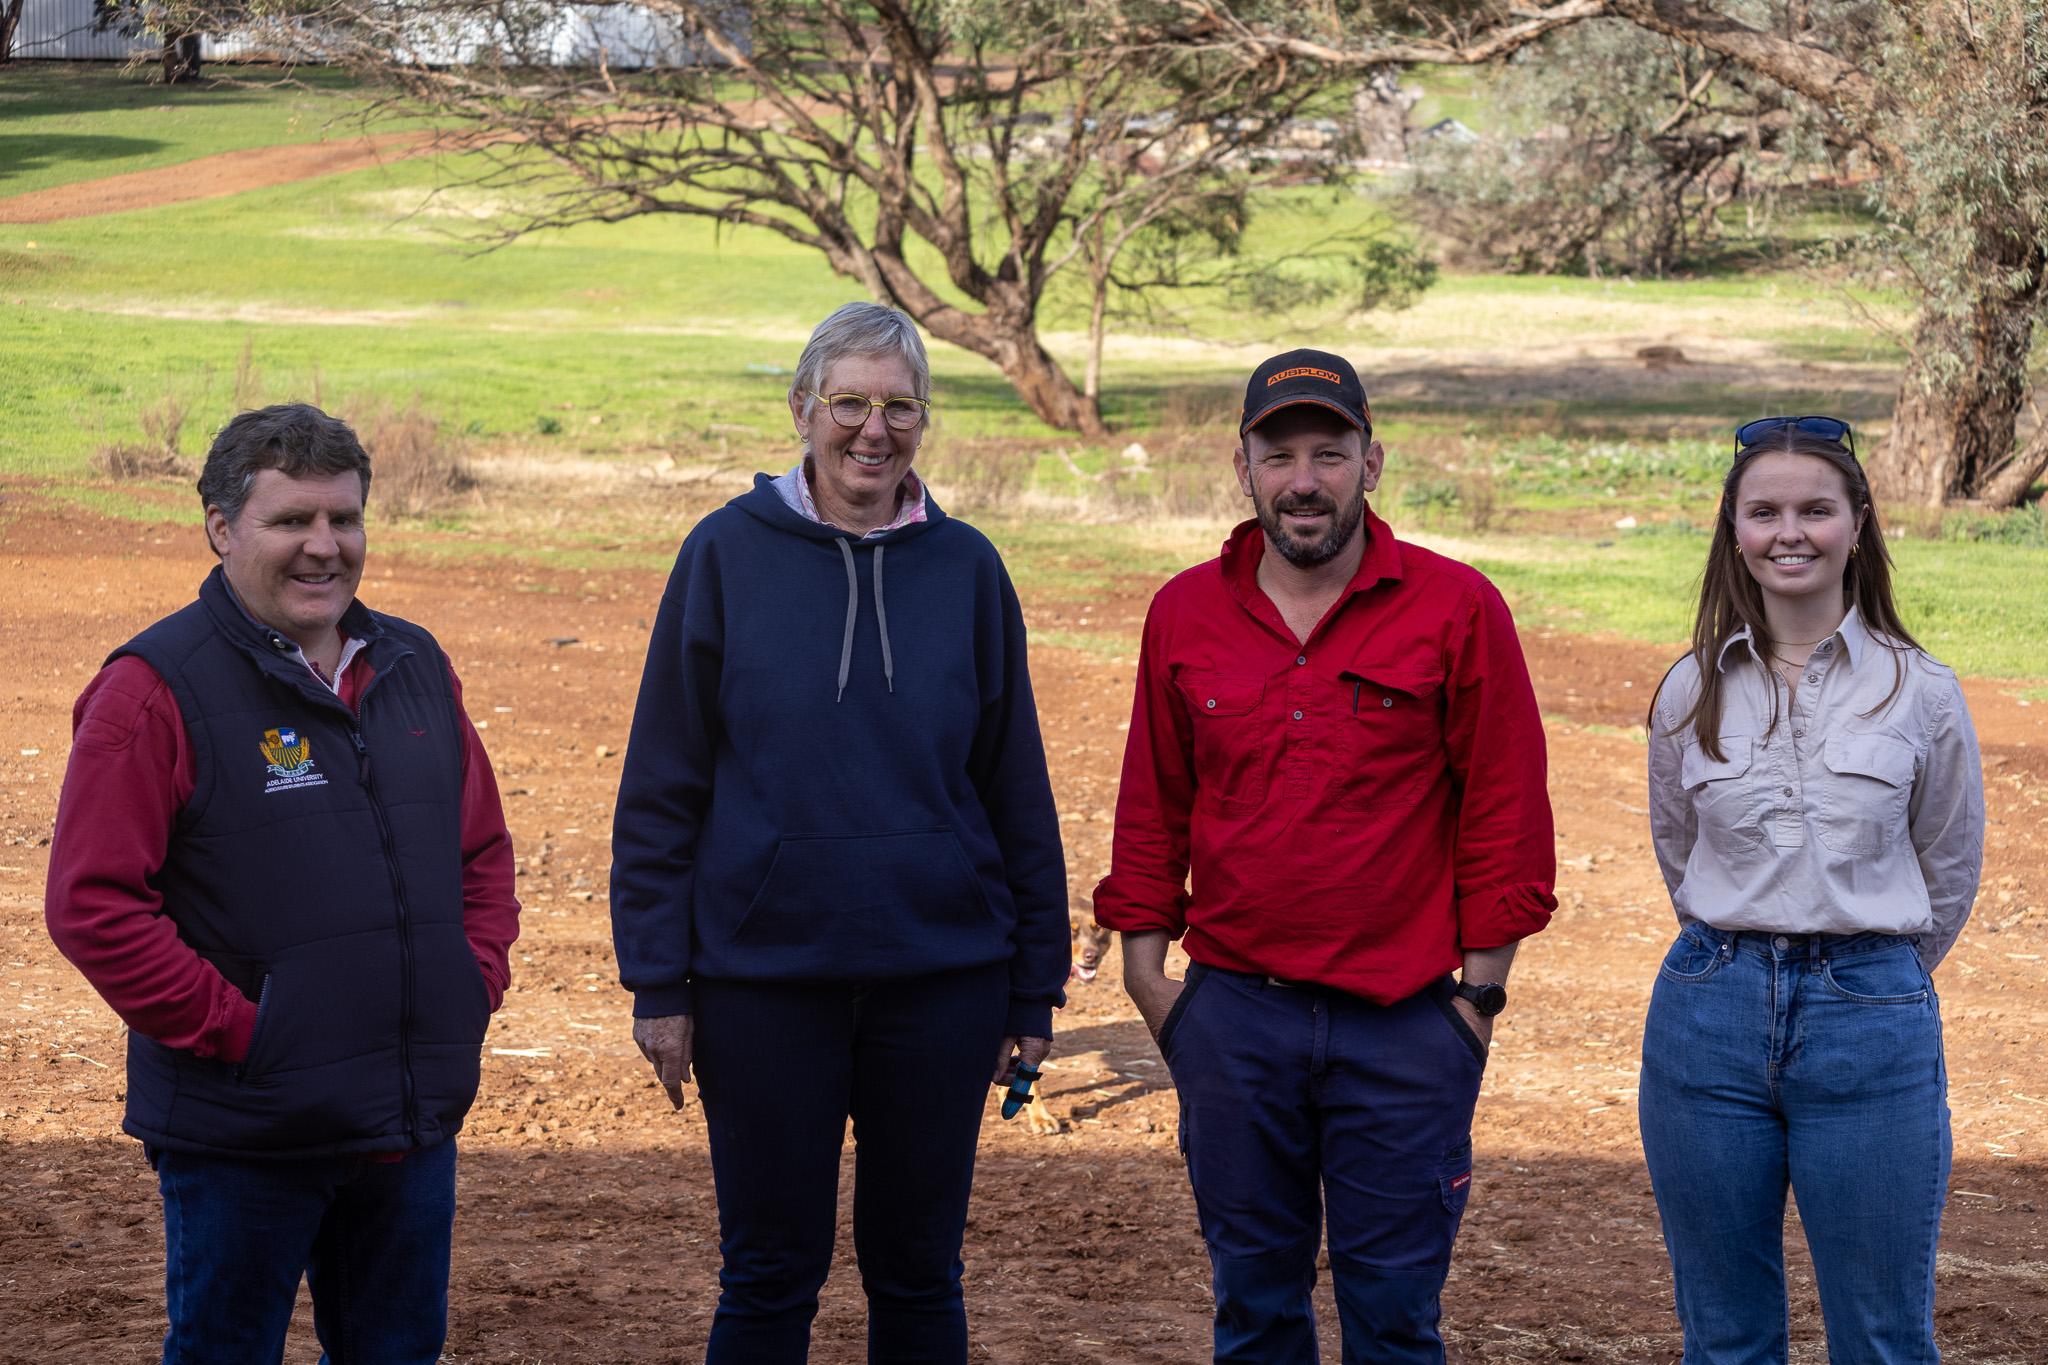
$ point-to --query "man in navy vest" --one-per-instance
(281, 858)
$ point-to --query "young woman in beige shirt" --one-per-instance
(1817, 807)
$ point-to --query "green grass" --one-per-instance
(1975, 607)
(677, 337)
(62, 122)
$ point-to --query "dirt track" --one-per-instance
(587, 1231)
(209, 177)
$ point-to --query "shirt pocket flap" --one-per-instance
(1210, 694)
(1413, 682)
(1887, 760)
(1696, 769)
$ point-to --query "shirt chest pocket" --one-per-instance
(1230, 746)
(1389, 748)
(1868, 780)
(1723, 792)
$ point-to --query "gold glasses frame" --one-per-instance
(831, 402)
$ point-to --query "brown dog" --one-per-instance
(1090, 942)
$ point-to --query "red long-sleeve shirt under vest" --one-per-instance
(129, 774)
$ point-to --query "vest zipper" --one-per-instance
(404, 918)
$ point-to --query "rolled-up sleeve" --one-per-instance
(1946, 815)
(1146, 889)
(1506, 853)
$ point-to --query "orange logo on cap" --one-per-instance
(1303, 370)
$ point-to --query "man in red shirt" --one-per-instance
(1334, 789)
(281, 858)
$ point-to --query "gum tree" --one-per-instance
(1949, 100)
(953, 158)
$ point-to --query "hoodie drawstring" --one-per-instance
(852, 609)
(853, 614)
(882, 620)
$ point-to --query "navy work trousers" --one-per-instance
(781, 1066)
(1300, 1099)
(371, 1238)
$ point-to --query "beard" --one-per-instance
(1305, 553)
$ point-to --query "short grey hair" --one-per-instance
(859, 329)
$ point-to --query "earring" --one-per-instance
(1853, 549)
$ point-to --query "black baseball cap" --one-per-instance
(1305, 376)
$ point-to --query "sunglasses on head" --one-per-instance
(1826, 428)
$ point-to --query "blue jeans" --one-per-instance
(781, 1066)
(371, 1237)
(1812, 1062)
(1300, 1099)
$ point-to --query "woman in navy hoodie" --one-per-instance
(837, 882)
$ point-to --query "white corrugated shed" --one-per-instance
(64, 30)
(627, 36)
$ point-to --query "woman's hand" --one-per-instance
(1016, 1052)
(666, 1042)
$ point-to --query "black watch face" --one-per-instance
(1489, 999)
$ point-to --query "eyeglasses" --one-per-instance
(851, 409)
(1826, 428)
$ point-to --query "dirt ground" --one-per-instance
(209, 177)
(587, 1230)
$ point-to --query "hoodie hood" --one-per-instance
(765, 504)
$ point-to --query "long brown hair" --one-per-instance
(1730, 598)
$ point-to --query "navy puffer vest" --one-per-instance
(318, 865)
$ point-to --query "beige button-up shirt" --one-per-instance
(1832, 821)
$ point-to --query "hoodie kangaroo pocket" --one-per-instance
(855, 904)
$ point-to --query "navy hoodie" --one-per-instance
(835, 771)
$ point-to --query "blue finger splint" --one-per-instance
(1019, 1093)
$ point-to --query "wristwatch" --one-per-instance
(1489, 998)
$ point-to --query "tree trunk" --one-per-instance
(1952, 425)
(1379, 116)
(180, 58)
(2009, 486)
(10, 21)
(1091, 386)
(1013, 347)
(1047, 391)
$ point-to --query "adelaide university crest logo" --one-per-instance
(289, 760)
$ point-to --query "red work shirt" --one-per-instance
(129, 774)
(1355, 811)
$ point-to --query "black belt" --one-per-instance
(1261, 977)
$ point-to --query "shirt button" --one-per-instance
(1781, 943)
(1799, 734)
(1302, 660)
(1813, 677)
(1788, 791)
(1212, 703)
(1297, 715)
(1386, 701)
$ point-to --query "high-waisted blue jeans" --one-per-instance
(1812, 1061)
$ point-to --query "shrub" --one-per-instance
(416, 465)
(156, 457)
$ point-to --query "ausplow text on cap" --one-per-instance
(1308, 371)
(1305, 376)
